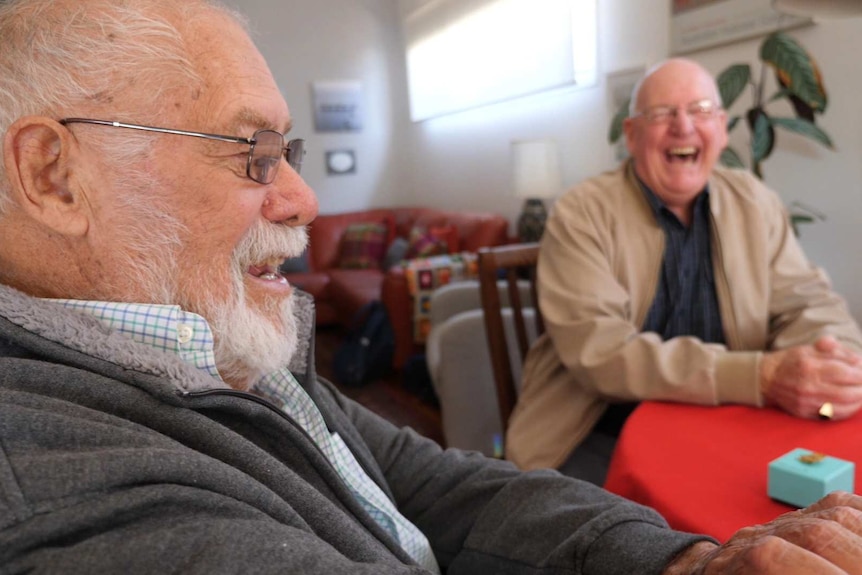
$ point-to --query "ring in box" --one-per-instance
(801, 477)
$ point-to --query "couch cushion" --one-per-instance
(349, 290)
(447, 234)
(362, 246)
(326, 231)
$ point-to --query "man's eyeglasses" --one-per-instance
(266, 147)
(699, 111)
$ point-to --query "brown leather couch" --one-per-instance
(340, 293)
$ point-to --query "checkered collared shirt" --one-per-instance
(170, 329)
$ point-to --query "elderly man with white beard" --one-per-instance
(159, 409)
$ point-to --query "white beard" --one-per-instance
(252, 340)
(248, 343)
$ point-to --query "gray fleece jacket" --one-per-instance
(118, 458)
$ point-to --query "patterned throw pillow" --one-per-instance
(424, 244)
(447, 234)
(362, 246)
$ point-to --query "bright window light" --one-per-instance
(467, 53)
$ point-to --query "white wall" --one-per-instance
(462, 161)
(322, 40)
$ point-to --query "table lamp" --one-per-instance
(824, 8)
(536, 176)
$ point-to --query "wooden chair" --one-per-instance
(517, 262)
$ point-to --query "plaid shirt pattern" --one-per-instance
(170, 329)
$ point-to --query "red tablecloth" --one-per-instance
(705, 468)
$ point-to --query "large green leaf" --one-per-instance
(797, 219)
(616, 130)
(762, 139)
(805, 128)
(731, 82)
(731, 123)
(795, 69)
(730, 158)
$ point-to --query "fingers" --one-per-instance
(768, 555)
(801, 379)
(836, 499)
(823, 538)
(830, 346)
(842, 410)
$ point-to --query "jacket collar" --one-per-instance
(35, 327)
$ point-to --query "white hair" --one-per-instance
(63, 57)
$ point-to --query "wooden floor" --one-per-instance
(387, 397)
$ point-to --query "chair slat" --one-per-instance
(517, 262)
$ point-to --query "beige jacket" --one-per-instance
(599, 265)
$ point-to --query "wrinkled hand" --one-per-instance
(824, 538)
(801, 379)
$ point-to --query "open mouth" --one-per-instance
(684, 154)
(267, 271)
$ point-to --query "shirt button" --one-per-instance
(184, 333)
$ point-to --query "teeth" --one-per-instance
(685, 151)
(269, 276)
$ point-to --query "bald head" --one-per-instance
(676, 69)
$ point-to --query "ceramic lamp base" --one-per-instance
(531, 223)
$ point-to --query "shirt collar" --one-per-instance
(164, 327)
(659, 207)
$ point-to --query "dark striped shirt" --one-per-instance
(685, 302)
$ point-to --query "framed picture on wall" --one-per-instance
(618, 87)
(337, 106)
(700, 24)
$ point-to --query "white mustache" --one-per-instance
(266, 242)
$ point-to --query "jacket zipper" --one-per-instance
(730, 327)
(267, 404)
(272, 407)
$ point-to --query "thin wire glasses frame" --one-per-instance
(266, 147)
(698, 111)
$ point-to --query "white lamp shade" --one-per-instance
(824, 8)
(536, 169)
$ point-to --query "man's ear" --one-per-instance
(36, 154)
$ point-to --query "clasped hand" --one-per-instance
(801, 379)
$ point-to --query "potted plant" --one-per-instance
(798, 82)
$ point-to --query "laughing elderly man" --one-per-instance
(159, 410)
(674, 279)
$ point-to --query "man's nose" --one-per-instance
(681, 121)
(289, 199)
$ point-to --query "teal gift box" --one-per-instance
(801, 477)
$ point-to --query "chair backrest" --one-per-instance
(511, 263)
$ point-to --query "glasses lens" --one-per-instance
(702, 110)
(264, 156)
(659, 114)
(295, 154)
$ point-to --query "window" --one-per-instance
(467, 53)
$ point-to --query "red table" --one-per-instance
(705, 468)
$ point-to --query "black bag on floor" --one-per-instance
(367, 352)
(417, 379)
